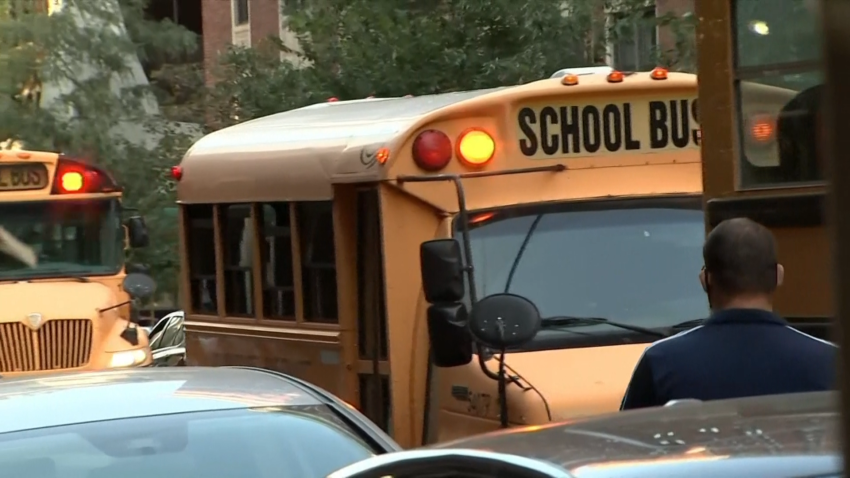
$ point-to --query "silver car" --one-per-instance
(182, 422)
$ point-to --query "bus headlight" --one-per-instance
(128, 358)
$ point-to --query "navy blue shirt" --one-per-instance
(735, 353)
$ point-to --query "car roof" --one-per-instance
(62, 399)
(796, 434)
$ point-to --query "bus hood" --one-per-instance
(579, 382)
(53, 300)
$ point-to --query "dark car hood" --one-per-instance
(709, 436)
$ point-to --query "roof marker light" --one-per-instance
(658, 73)
(382, 155)
(569, 79)
(615, 77)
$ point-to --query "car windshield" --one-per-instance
(634, 262)
(68, 237)
(296, 442)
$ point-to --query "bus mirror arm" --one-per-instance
(120, 304)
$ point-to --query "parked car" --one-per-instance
(781, 436)
(182, 421)
(168, 341)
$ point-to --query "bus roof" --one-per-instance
(299, 154)
(587, 70)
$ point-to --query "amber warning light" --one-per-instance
(475, 147)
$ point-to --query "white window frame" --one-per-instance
(241, 32)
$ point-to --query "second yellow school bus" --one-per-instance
(64, 288)
(302, 233)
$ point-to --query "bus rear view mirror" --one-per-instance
(139, 286)
(137, 232)
(451, 344)
(502, 321)
(442, 271)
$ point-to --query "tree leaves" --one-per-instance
(352, 49)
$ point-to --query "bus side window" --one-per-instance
(278, 282)
(237, 236)
(318, 260)
(200, 245)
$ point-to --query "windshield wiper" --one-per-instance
(60, 277)
(568, 321)
(688, 324)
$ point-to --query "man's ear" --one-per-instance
(780, 274)
(703, 280)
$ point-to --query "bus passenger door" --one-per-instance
(373, 369)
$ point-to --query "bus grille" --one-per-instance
(57, 345)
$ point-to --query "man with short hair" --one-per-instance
(743, 349)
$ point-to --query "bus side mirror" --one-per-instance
(137, 232)
(442, 281)
(451, 344)
(139, 286)
(503, 321)
(442, 271)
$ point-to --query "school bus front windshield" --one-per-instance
(70, 238)
(627, 261)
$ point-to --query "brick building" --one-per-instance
(247, 22)
(239, 22)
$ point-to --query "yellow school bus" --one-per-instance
(742, 44)
(63, 288)
(308, 245)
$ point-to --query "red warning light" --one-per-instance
(77, 177)
(72, 181)
(432, 150)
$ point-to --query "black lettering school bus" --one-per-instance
(302, 235)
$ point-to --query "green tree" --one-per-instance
(357, 48)
(677, 51)
(70, 81)
(391, 47)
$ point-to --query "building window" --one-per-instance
(240, 12)
(635, 41)
(278, 283)
(237, 235)
(200, 245)
(318, 261)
